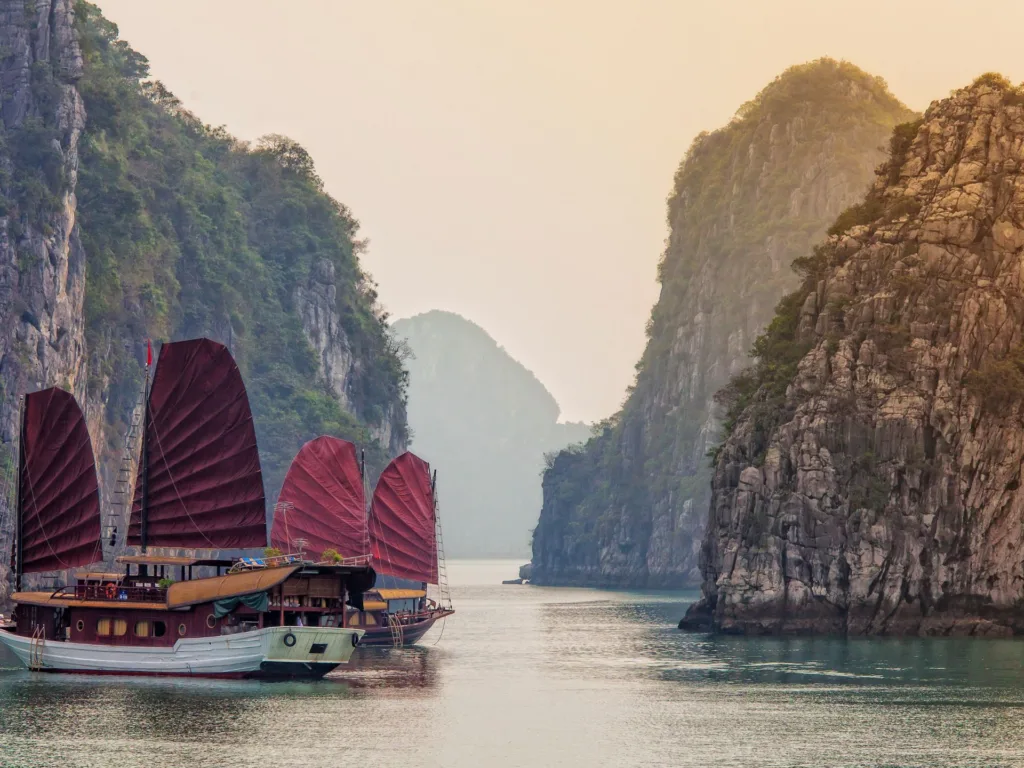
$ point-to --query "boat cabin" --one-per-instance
(145, 606)
(380, 604)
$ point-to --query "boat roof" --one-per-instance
(400, 594)
(98, 576)
(47, 600)
(171, 560)
(374, 605)
(185, 593)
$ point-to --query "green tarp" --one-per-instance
(259, 601)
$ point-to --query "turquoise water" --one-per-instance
(527, 676)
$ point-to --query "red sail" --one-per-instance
(322, 501)
(204, 484)
(60, 498)
(402, 539)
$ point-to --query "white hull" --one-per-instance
(239, 655)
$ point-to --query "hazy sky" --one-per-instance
(510, 160)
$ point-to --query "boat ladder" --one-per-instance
(35, 654)
(397, 634)
(444, 592)
(116, 529)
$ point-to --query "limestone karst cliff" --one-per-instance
(484, 421)
(871, 483)
(123, 216)
(629, 508)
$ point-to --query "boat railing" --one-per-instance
(258, 563)
(275, 561)
(112, 592)
(358, 560)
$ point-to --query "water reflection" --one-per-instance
(395, 668)
(532, 676)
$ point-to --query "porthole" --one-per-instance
(211, 621)
(80, 625)
(182, 630)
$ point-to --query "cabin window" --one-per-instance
(211, 621)
(369, 620)
(159, 629)
(107, 627)
(182, 630)
(143, 629)
(353, 620)
(80, 625)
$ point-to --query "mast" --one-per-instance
(19, 553)
(144, 474)
(366, 501)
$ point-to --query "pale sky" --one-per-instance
(510, 160)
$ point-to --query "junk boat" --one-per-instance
(198, 486)
(322, 508)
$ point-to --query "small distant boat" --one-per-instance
(322, 506)
(198, 486)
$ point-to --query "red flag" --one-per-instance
(149, 353)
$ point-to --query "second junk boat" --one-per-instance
(322, 508)
(199, 486)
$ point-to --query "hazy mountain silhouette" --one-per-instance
(484, 421)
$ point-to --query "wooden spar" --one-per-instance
(144, 474)
(19, 557)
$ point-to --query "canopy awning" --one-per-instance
(171, 560)
(400, 594)
(230, 585)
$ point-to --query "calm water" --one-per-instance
(526, 676)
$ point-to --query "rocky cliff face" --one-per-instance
(123, 217)
(339, 364)
(42, 264)
(484, 421)
(872, 481)
(628, 509)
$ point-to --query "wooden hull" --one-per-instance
(272, 652)
(411, 632)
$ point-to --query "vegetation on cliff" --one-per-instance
(747, 200)
(870, 481)
(191, 232)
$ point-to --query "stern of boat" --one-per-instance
(306, 651)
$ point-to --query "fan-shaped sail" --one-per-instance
(200, 472)
(322, 501)
(401, 523)
(59, 496)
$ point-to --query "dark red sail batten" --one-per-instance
(402, 538)
(204, 488)
(324, 489)
(60, 497)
